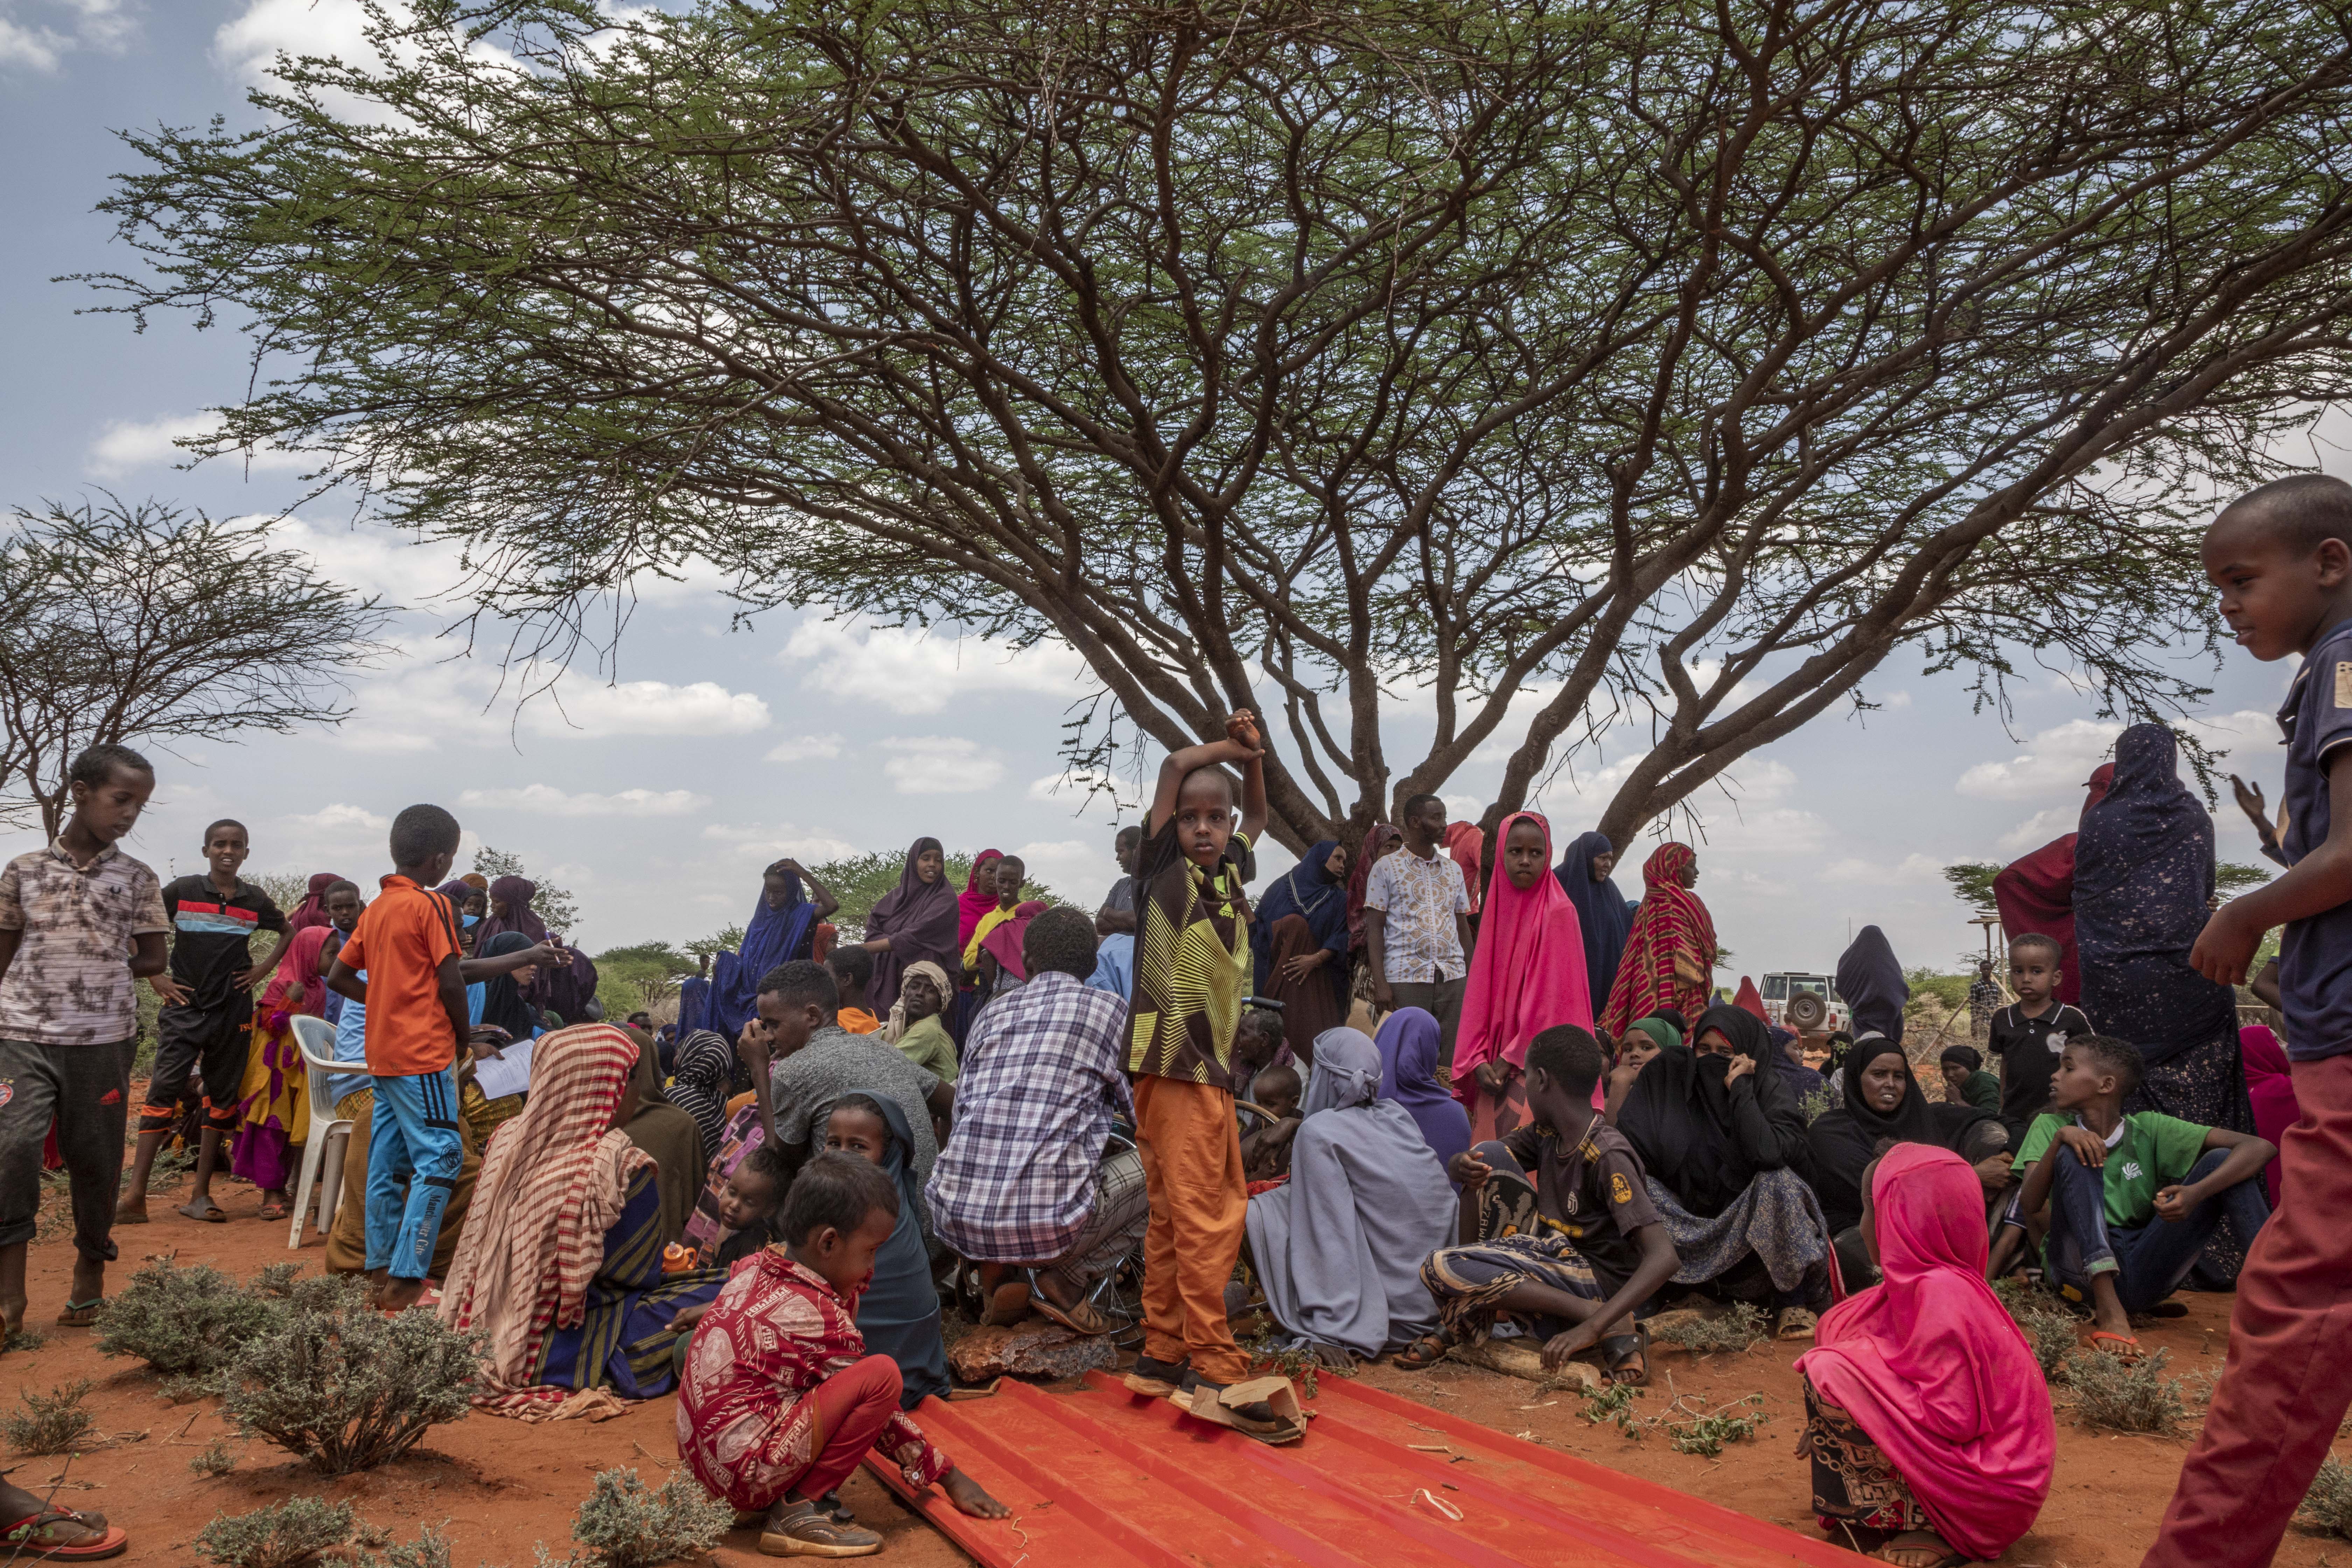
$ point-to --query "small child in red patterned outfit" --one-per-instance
(780, 1400)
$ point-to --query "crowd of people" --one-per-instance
(1432, 1094)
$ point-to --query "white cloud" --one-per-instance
(908, 670)
(1082, 787)
(2246, 737)
(775, 843)
(805, 749)
(103, 25)
(125, 445)
(548, 800)
(427, 698)
(1774, 830)
(1910, 870)
(343, 817)
(2039, 829)
(1079, 871)
(939, 764)
(2057, 761)
(703, 708)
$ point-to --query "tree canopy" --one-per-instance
(143, 624)
(1532, 368)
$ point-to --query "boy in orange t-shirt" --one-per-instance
(416, 1018)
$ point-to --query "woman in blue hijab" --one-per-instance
(1601, 911)
(782, 923)
(1299, 936)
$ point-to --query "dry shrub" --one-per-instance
(2327, 1507)
(284, 1535)
(182, 1322)
(2117, 1396)
(346, 1387)
(50, 1423)
(625, 1525)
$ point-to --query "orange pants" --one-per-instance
(1191, 1150)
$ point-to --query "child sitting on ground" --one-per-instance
(852, 968)
(1556, 1228)
(1265, 1149)
(780, 1400)
(2108, 1175)
(899, 1313)
(1965, 1080)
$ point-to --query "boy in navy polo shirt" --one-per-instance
(2281, 557)
(205, 1027)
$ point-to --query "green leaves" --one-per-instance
(1686, 361)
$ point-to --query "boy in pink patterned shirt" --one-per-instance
(780, 1400)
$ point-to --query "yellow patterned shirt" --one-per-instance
(1191, 962)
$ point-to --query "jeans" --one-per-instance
(87, 1089)
(415, 1140)
(2149, 1261)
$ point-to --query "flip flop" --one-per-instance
(1424, 1352)
(275, 1211)
(2123, 1347)
(1069, 1317)
(1008, 1304)
(19, 1538)
(79, 1314)
(1619, 1348)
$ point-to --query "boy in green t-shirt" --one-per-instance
(2111, 1177)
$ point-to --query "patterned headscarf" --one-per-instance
(1671, 921)
(554, 1179)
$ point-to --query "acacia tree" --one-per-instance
(146, 624)
(1666, 362)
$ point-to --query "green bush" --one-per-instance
(183, 1320)
(215, 1460)
(2048, 1327)
(346, 1387)
(623, 1525)
(50, 1423)
(283, 1535)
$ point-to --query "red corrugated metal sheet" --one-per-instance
(1102, 1478)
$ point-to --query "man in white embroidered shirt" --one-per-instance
(1417, 923)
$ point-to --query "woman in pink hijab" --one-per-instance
(1526, 976)
(2271, 1088)
(1927, 1417)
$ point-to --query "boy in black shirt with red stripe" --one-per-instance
(206, 1024)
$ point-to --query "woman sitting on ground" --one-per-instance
(1927, 1417)
(1883, 1102)
(1723, 1143)
(560, 1263)
(1339, 1246)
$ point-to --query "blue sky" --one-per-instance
(656, 791)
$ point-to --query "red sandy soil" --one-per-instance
(504, 1487)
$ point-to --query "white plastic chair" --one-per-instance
(322, 1151)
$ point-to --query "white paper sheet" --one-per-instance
(507, 1073)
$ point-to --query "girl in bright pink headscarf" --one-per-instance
(2271, 1088)
(1926, 1415)
(1526, 976)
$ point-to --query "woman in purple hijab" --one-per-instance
(912, 922)
(1408, 1044)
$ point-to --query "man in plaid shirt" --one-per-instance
(1023, 1183)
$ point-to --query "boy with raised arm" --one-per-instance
(1192, 971)
(2281, 557)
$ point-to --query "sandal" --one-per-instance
(1794, 1323)
(274, 1210)
(1425, 1352)
(32, 1540)
(1618, 1349)
(1921, 1549)
(806, 1531)
(80, 1314)
(2123, 1347)
(1081, 1319)
(211, 1214)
